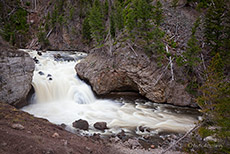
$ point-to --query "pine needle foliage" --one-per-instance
(215, 104)
(96, 22)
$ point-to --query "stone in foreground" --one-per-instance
(81, 124)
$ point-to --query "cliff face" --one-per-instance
(127, 71)
(16, 69)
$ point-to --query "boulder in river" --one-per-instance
(39, 53)
(81, 124)
(41, 73)
(36, 60)
(126, 70)
(100, 125)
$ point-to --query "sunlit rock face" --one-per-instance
(16, 69)
(129, 71)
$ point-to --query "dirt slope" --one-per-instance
(21, 133)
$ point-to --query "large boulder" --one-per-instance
(130, 71)
(81, 124)
(16, 69)
(100, 125)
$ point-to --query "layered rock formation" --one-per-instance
(129, 71)
(16, 69)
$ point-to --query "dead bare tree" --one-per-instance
(180, 139)
(171, 63)
(163, 72)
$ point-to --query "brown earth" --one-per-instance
(37, 136)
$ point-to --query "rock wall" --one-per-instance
(127, 71)
(16, 69)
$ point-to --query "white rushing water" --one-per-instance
(61, 97)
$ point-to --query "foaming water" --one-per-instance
(61, 97)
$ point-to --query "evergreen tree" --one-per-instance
(117, 14)
(158, 13)
(214, 26)
(157, 34)
(130, 17)
(214, 103)
(193, 49)
(96, 22)
(86, 29)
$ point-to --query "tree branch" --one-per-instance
(49, 33)
(132, 49)
(180, 139)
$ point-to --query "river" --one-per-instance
(61, 97)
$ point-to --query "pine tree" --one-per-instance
(118, 17)
(138, 19)
(193, 49)
(158, 13)
(158, 34)
(214, 103)
(86, 29)
(96, 22)
(214, 26)
(130, 17)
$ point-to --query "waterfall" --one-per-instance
(61, 97)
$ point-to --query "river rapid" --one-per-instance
(62, 98)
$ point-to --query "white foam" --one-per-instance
(66, 98)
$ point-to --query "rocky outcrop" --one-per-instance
(129, 71)
(16, 69)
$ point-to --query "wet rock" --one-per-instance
(100, 125)
(39, 53)
(81, 124)
(141, 128)
(63, 125)
(16, 69)
(41, 73)
(146, 137)
(121, 135)
(57, 56)
(96, 136)
(49, 75)
(36, 60)
(17, 126)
